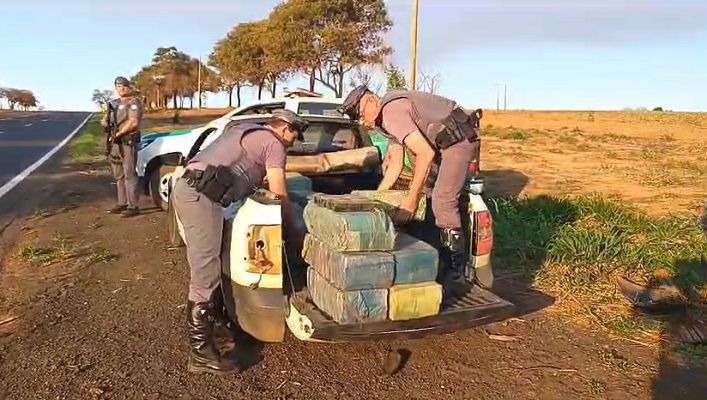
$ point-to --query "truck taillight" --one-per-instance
(483, 233)
(473, 167)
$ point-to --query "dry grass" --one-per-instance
(637, 157)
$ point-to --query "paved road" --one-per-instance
(26, 137)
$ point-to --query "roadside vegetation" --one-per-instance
(89, 143)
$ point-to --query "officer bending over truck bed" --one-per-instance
(439, 133)
(228, 170)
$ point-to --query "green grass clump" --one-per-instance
(89, 143)
(515, 134)
(100, 256)
(46, 254)
(580, 245)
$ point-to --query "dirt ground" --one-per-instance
(92, 306)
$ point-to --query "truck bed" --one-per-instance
(478, 307)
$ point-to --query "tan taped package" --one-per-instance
(414, 301)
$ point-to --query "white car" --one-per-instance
(159, 153)
(263, 274)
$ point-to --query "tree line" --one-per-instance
(19, 98)
(326, 41)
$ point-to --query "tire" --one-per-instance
(160, 178)
(175, 239)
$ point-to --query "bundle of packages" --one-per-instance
(347, 307)
(346, 202)
(415, 260)
(349, 270)
(350, 231)
(390, 200)
(414, 301)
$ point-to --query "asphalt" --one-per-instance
(26, 137)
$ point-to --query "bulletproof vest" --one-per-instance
(120, 114)
(429, 110)
(227, 150)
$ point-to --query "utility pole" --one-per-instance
(498, 96)
(199, 84)
(413, 45)
(505, 96)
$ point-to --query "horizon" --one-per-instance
(574, 56)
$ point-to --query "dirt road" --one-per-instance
(92, 307)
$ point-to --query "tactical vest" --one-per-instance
(228, 151)
(439, 119)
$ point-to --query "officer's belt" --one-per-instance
(458, 126)
(219, 184)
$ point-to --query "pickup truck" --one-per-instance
(338, 156)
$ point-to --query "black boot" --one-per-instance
(454, 280)
(223, 334)
(203, 356)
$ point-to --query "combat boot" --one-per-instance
(203, 356)
(454, 282)
(222, 325)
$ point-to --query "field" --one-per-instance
(579, 199)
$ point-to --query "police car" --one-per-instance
(160, 153)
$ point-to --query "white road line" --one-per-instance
(22, 175)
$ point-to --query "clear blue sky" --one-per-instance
(570, 54)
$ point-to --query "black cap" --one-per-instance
(350, 105)
(121, 80)
(295, 121)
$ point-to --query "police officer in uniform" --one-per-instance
(123, 150)
(441, 137)
(226, 171)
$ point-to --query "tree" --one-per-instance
(327, 38)
(429, 82)
(396, 79)
(365, 75)
(19, 97)
(101, 96)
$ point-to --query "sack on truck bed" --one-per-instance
(347, 307)
(414, 301)
(350, 231)
(390, 200)
(350, 270)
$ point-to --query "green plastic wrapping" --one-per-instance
(347, 307)
(349, 270)
(350, 231)
(391, 199)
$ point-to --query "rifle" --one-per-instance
(110, 128)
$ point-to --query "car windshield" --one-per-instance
(314, 108)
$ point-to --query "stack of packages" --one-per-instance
(360, 269)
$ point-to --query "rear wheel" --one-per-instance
(160, 181)
(173, 227)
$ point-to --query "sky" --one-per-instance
(569, 54)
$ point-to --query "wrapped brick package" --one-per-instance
(347, 307)
(414, 301)
(415, 260)
(391, 199)
(350, 231)
(352, 270)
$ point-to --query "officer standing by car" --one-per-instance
(439, 134)
(228, 170)
(122, 151)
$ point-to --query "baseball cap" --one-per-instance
(350, 105)
(121, 80)
(295, 121)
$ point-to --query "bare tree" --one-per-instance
(429, 82)
(366, 75)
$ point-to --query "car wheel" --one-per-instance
(160, 180)
(173, 227)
